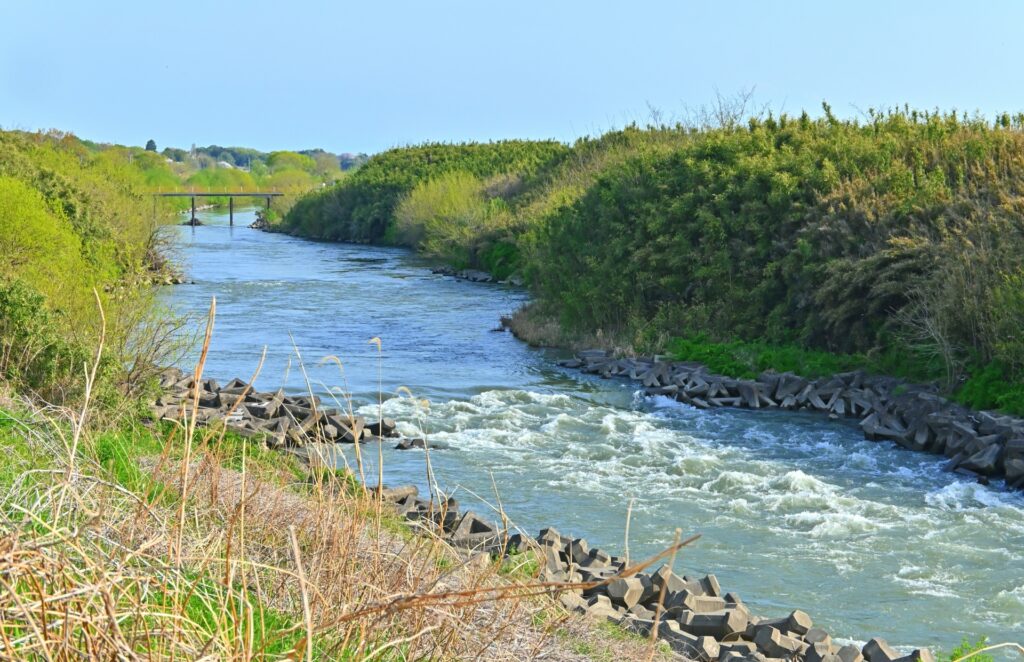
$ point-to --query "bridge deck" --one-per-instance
(230, 195)
(226, 194)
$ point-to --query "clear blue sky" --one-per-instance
(364, 76)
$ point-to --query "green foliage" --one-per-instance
(966, 648)
(237, 156)
(335, 477)
(150, 145)
(748, 359)
(75, 225)
(19, 455)
(990, 387)
(500, 258)
(118, 452)
(34, 353)
(900, 236)
(448, 216)
(362, 206)
(223, 179)
(278, 161)
(38, 245)
(520, 565)
(210, 607)
(288, 181)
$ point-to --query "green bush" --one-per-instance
(75, 224)
(362, 206)
(438, 214)
(500, 258)
(34, 354)
(966, 648)
(900, 236)
(991, 387)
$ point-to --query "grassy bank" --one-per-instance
(897, 235)
(984, 388)
(132, 539)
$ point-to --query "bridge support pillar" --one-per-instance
(268, 203)
(231, 211)
(193, 210)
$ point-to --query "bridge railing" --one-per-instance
(220, 190)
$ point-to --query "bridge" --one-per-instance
(267, 195)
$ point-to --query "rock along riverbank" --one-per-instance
(980, 444)
(275, 418)
(693, 615)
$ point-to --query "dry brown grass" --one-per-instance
(189, 559)
(534, 326)
(256, 568)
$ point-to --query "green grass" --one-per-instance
(608, 631)
(966, 648)
(119, 452)
(748, 359)
(209, 605)
(990, 388)
(230, 448)
(522, 566)
(987, 387)
(19, 455)
(336, 476)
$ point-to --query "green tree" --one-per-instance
(282, 160)
(150, 145)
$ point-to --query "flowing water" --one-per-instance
(795, 511)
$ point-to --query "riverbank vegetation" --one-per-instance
(894, 239)
(78, 234)
(79, 228)
(462, 218)
(174, 543)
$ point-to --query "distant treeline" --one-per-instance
(245, 157)
(898, 237)
(237, 169)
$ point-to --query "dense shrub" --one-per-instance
(34, 354)
(362, 206)
(75, 224)
(902, 233)
(452, 217)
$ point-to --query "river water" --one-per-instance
(795, 511)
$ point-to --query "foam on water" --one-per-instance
(927, 581)
(813, 507)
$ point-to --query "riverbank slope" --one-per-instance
(894, 238)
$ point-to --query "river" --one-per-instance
(795, 511)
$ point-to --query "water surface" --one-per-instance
(794, 510)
